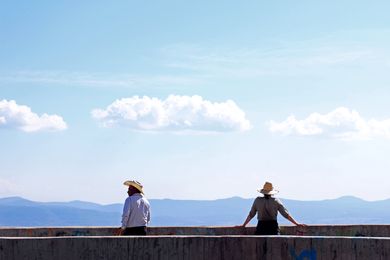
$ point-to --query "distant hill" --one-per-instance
(16, 211)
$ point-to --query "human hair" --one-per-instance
(133, 190)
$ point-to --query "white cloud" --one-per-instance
(341, 123)
(174, 114)
(21, 117)
(288, 59)
(70, 78)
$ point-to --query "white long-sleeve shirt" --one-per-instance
(136, 211)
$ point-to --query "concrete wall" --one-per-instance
(335, 242)
(195, 247)
(317, 230)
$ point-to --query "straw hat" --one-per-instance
(268, 189)
(135, 184)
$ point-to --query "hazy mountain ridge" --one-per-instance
(16, 211)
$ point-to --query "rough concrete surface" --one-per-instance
(173, 243)
(195, 247)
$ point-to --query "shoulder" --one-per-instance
(141, 197)
(133, 198)
(278, 201)
(128, 200)
(145, 199)
(258, 199)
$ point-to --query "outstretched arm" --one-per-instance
(287, 215)
(251, 214)
(247, 220)
(292, 220)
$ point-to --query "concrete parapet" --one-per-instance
(312, 230)
(315, 242)
(195, 247)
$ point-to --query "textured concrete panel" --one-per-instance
(195, 247)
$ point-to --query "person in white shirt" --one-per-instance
(136, 211)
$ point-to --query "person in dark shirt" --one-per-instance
(267, 209)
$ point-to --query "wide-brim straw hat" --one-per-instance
(268, 189)
(135, 184)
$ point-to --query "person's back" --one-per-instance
(136, 211)
(267, 209)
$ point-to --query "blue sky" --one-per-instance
(199, 100)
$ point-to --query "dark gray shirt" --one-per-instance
(267, 209)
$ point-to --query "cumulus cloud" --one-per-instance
(174, 114)
(341, 123)
(21, 117)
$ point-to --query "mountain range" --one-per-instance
(17, 211)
